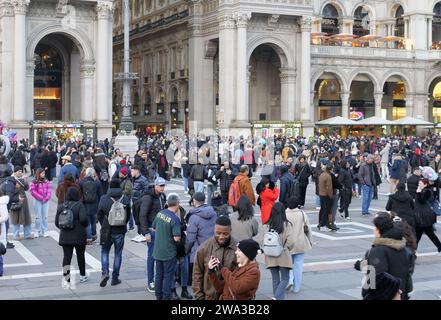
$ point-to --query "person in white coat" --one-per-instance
(302, 242)
(384, 153)
(4, 200)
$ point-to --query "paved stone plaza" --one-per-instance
(33, 268)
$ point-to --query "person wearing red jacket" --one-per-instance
(268, 194)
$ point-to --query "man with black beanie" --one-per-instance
(222, 246)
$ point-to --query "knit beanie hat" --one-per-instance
(249, 247)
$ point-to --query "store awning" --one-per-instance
(369, 37)
(391, 39)
(410, 121)
(318, 34)
(343, 36)
(375, 121)
(337, 121)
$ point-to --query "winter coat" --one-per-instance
(103, 212)
(285, 185)
(395, 170)
(151, 204)
(177, 160)
(345, 179)
(325, 185)
(240, 284)
(77, 236)
(140, 185)
(384, 153)
(69, 168)
(366, 174)
(389, 255)
(41, 190)
(62, 190)
(22, 216)
(92, 207)
(245, 187)
(302, 241)
(287, 237)
(303, 173)
(241, 230)
(423, 210)
(267, 198)
(5, 170)
(162, 168)
(412, 184)
(18, 159)
(198, 173)
(203, 289)
(4, 200)
(225, 180)
(400, 200)
(200, 227)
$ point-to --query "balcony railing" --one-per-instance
(361, 52)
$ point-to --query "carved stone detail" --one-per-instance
(20, 6)
(104, 10)
(306, 24)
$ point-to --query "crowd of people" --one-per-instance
(212, 246)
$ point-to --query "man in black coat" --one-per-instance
(345, 180)
(412, 182)
(152, 202)
(302, 172)
(112, 235)
(225, 177)
(401, 202)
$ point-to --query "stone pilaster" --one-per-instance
(287, 95)
(305, 70)
(344, 96)
(87, 72)
(378, 96)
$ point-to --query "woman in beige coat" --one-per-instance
(281, 265)
(302, 242)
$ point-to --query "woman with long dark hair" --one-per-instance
(243, 223)
(281, 265)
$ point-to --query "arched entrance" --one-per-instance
(435, 101)
(327, 98)
(362, 21)
(362, 102)
(393, 106)
(265, 84)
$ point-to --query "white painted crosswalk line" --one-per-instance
(28, 256)
(42, 274)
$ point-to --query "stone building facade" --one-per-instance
(230, 63)
(56, 68)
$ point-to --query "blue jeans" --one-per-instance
(118, 241)
(1, 266)
(184, 264)
(198, 186)
(295, 275)
(27, 230)
(165, 276)
(280, 277)
(210, 190)
(91, 228)
(367, 197)
(132, 222)
(186, 184)
(317, 201)
(41, 212)
(150, 259)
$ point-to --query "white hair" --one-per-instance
(90, 172)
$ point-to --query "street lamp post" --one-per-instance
(126, 76)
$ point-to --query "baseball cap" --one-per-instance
(159, 181)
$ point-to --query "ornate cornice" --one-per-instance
(20, 6)
(61, 8)
(288, 75)
(104, 10)
(306, 24)
(6, 9)
(87, 68)
(226, 22)
(242, 19)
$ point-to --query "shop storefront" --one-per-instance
(46, 132)
(266, 129)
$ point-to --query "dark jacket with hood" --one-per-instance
(7, 184)
(151, 204)
(423, 211)
(225, 180)
(92, 207)
(285, 185)
(400, 200)
(389, 254)
(201, 221)
(303, 172)
(103, 213)
(77, 236)
(412, 184)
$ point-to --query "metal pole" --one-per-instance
(126, 76)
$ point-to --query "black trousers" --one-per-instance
(345, 201)
(430, 233)
(68, 252)
(325, 210)
(224, 197)
(302, 195)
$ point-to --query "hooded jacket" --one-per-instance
(77, 236)
(400, 200)
(423, 211)
(201, 221)
(103, 213)
(388, 254)
(151, 204)
(412, 184)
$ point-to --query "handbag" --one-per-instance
(436, 207)
(305, 226)
(16, 206)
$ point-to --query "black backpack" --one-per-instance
(294, 189)
(66, 218)
(89, 192)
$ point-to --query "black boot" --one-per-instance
(174, 295)
(185, 294)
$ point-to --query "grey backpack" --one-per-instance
(117, 214)
(272, 244)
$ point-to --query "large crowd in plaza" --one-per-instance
(212, 247)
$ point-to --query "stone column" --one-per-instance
(344, 96)
(30, 67)
(19, 111)
(287, 95)
(227, 68)
(103, 72)
(87, 72)
(242, 116)
(429, 32)
(6, 60)
(305, 70)
(378, 96)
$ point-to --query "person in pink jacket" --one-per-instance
(41, 191)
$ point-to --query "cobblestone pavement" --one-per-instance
(33, 268)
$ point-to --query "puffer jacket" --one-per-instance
(41, 190)
(423, 211)
(4, 216)
(400, 200)
(200, 227)
(203, 289)
(268, 197)
(151, 204)
(140, 185)
(77, 236)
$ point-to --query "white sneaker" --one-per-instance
(317, 208)
(348, 219)
(141, 238)
(83, 278)
(45, 235)
(65, 284)
(135, 238)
